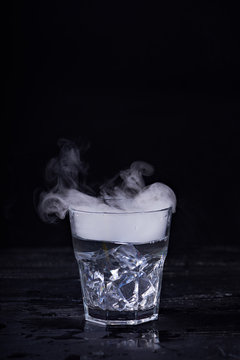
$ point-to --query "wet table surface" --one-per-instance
(42, 311)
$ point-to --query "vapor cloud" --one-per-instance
(126, 192)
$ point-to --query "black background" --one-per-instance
(137, 82)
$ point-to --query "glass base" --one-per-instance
(106, 317)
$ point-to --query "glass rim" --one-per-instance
(121, 212)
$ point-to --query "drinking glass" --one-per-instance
(120, 256)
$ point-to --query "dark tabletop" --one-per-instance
(42, 311)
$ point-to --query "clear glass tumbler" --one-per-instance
(120, 257)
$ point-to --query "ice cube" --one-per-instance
(127, 256)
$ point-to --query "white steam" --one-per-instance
(125, 193)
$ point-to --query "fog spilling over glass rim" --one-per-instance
(126, 193)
